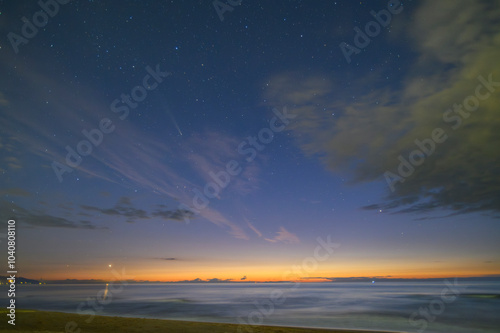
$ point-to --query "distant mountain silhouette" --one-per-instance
(3, 280)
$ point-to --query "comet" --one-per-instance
(174, 121)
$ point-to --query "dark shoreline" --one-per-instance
(52, 322)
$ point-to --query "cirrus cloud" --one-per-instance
(284, 236)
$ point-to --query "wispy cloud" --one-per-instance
(217, 218)
(284, 236)
(254, 229)
(130, 156)
(3, 100)
(210, 152)
(15, 191)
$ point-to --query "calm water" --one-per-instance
(382, 305)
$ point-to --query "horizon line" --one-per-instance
(302, 280)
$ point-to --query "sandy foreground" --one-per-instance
(51, 322)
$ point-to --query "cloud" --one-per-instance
(3, 100)
(243, 278)
(174, 215)
(13, 162)
(209, 152)
(130, 156)
(41, 219)
(18, 192)
(254, 229)
(167, 259)
(124, 201)
(122, 208)
(218, 219)
(284, 236)
(125, 208)
(365, 136)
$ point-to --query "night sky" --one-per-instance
(184, 140)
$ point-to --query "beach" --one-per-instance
(52, 322)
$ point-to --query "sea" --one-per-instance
(446, 306)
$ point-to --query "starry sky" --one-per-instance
(183, 140)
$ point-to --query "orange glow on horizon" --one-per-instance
(176, 271)
(261, 279)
